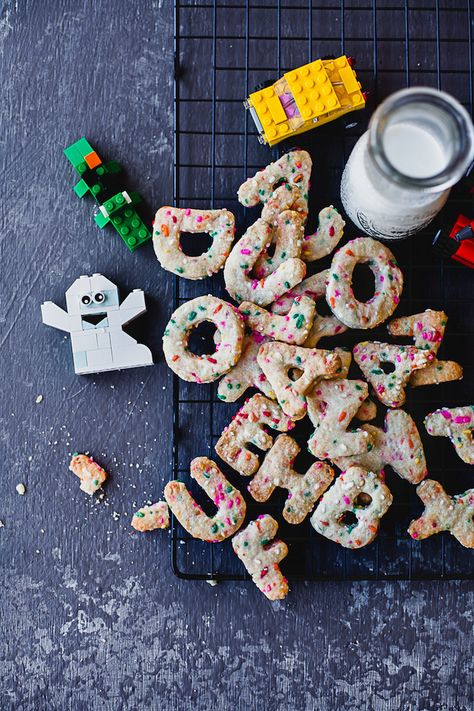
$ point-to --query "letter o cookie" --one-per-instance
(170, 222)
(209, 367)
(388, 283)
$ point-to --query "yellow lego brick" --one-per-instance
(345, 83)
(312, 89)
(271, 115)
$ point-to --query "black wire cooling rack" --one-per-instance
(222, 50)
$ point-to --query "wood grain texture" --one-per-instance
(90, 614)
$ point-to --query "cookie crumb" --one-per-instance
(20, 489)
(2, 525)
(39, 398)
(212, 583)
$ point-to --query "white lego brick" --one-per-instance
(103, 339)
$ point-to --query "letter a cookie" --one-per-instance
(261, 553)
(229, 501)
(303, 489)
(444, 513)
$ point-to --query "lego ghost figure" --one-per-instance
(94, 318)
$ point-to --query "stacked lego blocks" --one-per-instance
(269, 340)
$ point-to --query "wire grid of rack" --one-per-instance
(222, 50)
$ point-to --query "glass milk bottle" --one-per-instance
(419, 143)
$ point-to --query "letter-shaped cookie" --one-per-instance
(261, 553)
(294, 327)
(389, 385)
(444, 513)
(246, 373)
(168, 225)
(456, 423)
(203, 368)
(91, 475)
(327, 236)
(303, 489)
(397, 445)
(313, 287)
(350, 511)
(287, 240)
(332, 404)
(293, 168)
(229, 501)
(241, 286)
(427, 329)
(247, 427)
(388, 283)
(151, 517)
(278, 359)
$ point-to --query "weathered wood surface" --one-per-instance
(90, 614)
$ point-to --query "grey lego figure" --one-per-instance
(94, 318)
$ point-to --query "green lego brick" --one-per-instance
(76, 153)
(81, 188)
(113, 167)
(130, 227)
(101, 220)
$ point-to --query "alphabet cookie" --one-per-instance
(293, 169)
(388, 368)
(149, 518)
(247, 427)
(91, 475)
(246, 373)
(444, 513)
(287, 241)
(278, 359)
(327, 236)
(350, 511)
(238, 281)
(229, 501)
(294, 327)
(303, 489)
(261, 553)
(398, 445)
(427, 329)
(332, 404)
(203, 368)
(171, 222)
(388, 283)
(313, 287)
(456, 423)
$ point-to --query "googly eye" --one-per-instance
(86, 299)
(99, 297)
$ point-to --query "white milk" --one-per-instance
(414, 151)
(420, 142)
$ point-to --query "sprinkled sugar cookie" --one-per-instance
(204, 368)
(286, 197)
(247, 427)
(456, 423)
(332, 404)
(444, 513)
(260, 552)
(398, 445)
(313, 287)
(246, 373)
(241, 286)
(277, 470)
(91, 475)
(427, 329)
(350, 511)
(327, 236)
(294, 168)
(388, 281)
(151, 517)
(389, 385)
(287, 240)
(278, 359)
(229, 501)
(294, 327)
(168, 225)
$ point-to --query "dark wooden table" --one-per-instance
(90, 615)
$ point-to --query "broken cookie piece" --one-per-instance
(149, 518)
(92, 475)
